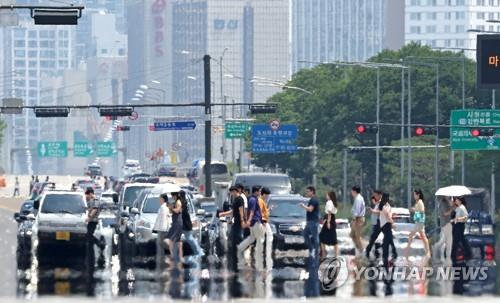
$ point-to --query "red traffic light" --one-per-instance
(475, 132)
(361, 129)
(419, 131)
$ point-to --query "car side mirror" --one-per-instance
(115, 198)
(36, 204)
(200, 212)
(30, 217)
(134, 211)
(125, 214)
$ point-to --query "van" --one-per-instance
(278, 184)
(196, 175)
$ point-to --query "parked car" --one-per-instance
(279, 184)
(345, 243)
(130, 192)
(24, 219)
(60, 226)
(166, 170)
(142, 178)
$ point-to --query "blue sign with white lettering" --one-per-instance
(175, 125)
(265, 140)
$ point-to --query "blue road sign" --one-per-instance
(175, 125)
(265, 140)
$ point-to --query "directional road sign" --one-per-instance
(236, 129)
(82, 149)
(267, 140)
(105, 149)
(464, 121)
(174, 125)
(53, 149)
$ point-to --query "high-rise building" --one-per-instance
(251, 38)
(34, 54)
(445, 24)
(343, 30)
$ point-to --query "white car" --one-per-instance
(60, 221)
(131, 167)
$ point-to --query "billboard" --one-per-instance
(488, 61)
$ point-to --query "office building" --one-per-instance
(344, 30)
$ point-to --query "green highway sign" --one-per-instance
(53, 149)
(463, 122)
(236, 129)
(82, 149)
(105, 149)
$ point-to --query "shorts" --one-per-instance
(418, 227)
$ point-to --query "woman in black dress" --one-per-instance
(175, 232)
(328, 234)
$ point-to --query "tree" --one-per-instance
(343, 95)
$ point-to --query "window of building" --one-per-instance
(19, 53)
(431, 16)
(430, 29)
(415, 3)
(480, 2)
(32, 54)
(460, 28)
(415, 29)
(19, 34)
(415, 16)
(447, 43)
(480, 27)
(32, 34)
(19, 43)
(447, 29)
(33, 83)
(19, 63)
(431, 2)
(32, 63)
(480, 16)
(33, 44)
(447, 15)
(44, 34)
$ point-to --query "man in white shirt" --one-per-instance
(358, 218)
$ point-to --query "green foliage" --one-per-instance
(345, 95)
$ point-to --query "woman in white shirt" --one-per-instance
(328, 234)
(162, 223)
(386, 226)
(458, 229)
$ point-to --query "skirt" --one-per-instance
(329, 236)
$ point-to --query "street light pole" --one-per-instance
(344, 185)
(223, 100)
(377, 151)
(436, 151)
(208, 127)
(408, 189)
(315, 156)
(402, 164)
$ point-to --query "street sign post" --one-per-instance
(464, 121)
(82, 149)
(174, 125)
(52, 149)
(105, 149)
(236, 129)
(265, 140)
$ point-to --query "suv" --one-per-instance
(93, 170)
(60, 222)
(288, 221)
(130, 192)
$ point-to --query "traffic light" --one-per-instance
(363, 128)
(122, 128)
(263, 109)
(482, 132)
(51, 112)
(116, 111)
(424, 130)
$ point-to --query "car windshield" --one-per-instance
(209, 208)
(399, 219)
(277, 184)
(151, 205)
(218, 169)
(131, 165)
(286, 208)
(342, 225)
(131, 193)
(65, 203)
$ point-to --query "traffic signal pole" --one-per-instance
(208, 127)
(377, 152)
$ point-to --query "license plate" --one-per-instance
(294, 240)
(62, 235)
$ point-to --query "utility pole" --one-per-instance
(224, 148)
(402, 164)
(315, 156)
(233, 157)
(493, 185)
(377, 151)
(208, 127)
(409, 184)
(344, 168)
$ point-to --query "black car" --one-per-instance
(25, 223)
(288, 220)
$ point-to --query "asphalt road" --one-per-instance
(7, 253)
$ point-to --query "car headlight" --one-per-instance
(473, 229)
(487, 229)
(29, 233)
(303, 225)
(273, 228)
